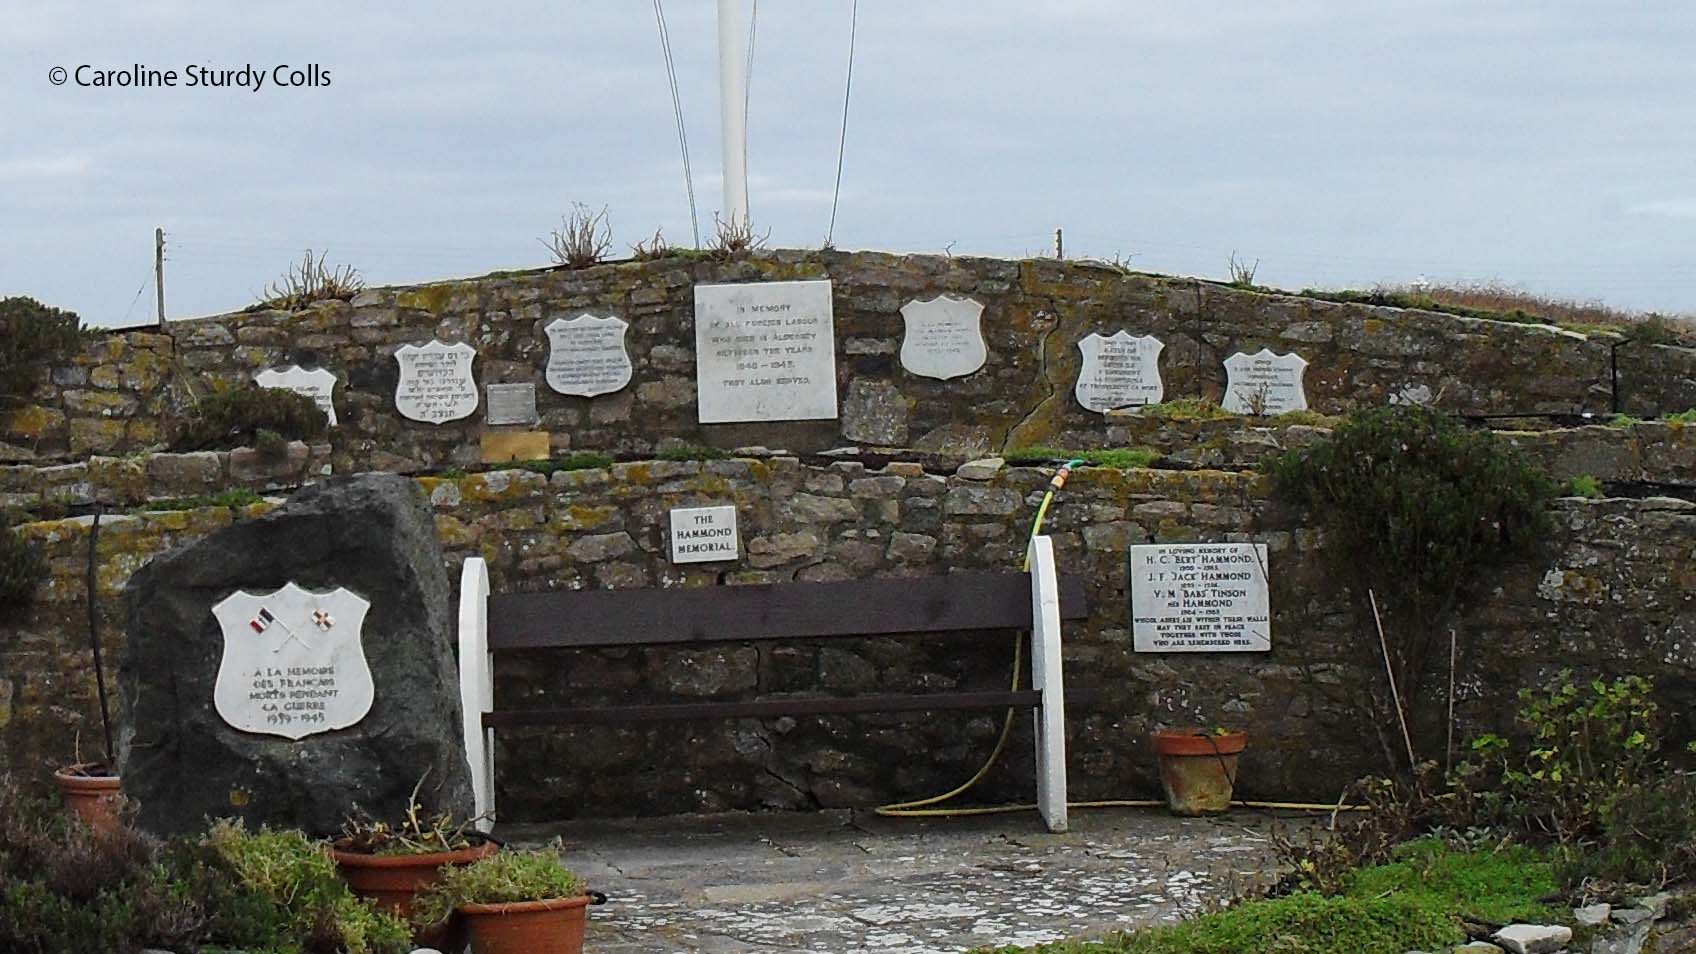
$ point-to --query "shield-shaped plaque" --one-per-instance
(293, 662)
(944, 337)
(587, 356)
(317, 384)
(435, 384)
(1119, 370)
(1265, 383)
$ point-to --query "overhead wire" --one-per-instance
(677, 111)
(842, 141)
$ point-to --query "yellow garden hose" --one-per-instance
(920, 808)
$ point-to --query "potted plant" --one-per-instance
(390, 863)
(1198, 768)
(92, 791)
(514, 902)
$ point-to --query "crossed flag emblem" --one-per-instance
(266, 619)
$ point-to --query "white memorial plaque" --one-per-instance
(765, 352)
(293, 661)
(587, 355)
(1119, 370)
(316, 384)
(512, 404)
(704, 534)
(943, 338)
(1264, 383)
(436, 385)
(1200, 598)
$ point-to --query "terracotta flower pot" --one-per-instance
(391, 881)
(554, 926)
(1198, 769)
(96, 799)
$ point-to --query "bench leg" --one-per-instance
(477, 686)
(1047, 678)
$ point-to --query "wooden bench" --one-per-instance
(957, 602)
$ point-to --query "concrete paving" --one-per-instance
(851, 881)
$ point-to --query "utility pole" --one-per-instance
(1059, 245)
(159, 273)
(732, 106)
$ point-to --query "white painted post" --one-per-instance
(732, 101)
(477, 686)
(1047, 678)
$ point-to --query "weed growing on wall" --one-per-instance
(582, 239)
(312, 280)
(1414, 506)
(33, 339)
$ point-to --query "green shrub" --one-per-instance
(692, 452)
(1584, 485)
(22, 569)
(1682, 417)
(581, 460)
(501, 877)
(236, 417)
(33, 339)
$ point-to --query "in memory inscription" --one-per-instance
(293, 661)
(512, 404)
(1265, 383)
(704, 534)
(587, 356)
(1119, 370)
(1200, 597)
(436, 385)
(943, 337)
(765, 352)
(317, 384)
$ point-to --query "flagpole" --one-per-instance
(732, 87)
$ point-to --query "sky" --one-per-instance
(1545, 144)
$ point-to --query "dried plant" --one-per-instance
(736, 237)
(1242, 273)
(651, 248)
(582, 239)
(418, 832)
(312, 279)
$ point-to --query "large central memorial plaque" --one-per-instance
(293, 662)
(765, 352)
(1200, 598)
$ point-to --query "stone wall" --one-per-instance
(1611, 591)
(116, 397)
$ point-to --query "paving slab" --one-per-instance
(839, 881)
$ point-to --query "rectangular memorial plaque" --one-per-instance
(704, 534)
(1200, 597)
(765, 352)
(512, 404)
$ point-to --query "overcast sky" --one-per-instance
(1544, 143)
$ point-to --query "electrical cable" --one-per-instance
(842, 142)
(677, 110)
(921, 808)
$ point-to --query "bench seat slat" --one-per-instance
(764, 708)
(875, 607)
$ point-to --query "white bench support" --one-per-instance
(1046, 677)
(477, 686)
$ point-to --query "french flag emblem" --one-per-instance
(263, 621)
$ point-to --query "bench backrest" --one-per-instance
(713, 614)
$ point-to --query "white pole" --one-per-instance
(732, 86)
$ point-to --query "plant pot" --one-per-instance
(554, 926)
(391, 881)
(96, 799)
(1198, 769)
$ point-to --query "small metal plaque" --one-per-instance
(512, 404)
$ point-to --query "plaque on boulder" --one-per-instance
(1264, 383)
(765, 352)
(370, 537)
(317, 384)
(436, 385)
(587, 356)
(1200, 597)
(1119, 370)
(512, 404)
(943, 338)
(294, 664)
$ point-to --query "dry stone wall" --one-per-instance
(1611, 591)
(115, 398)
